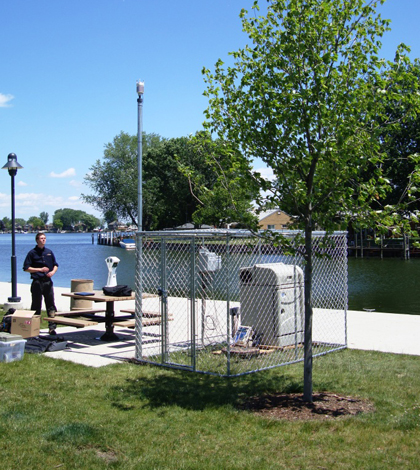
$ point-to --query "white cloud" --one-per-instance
(4, 100)
(64, 174)
(22, 183)
(75, 183)
(4, 200)
(29, 204)
(38, 200)
(266, 173)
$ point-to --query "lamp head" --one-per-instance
(140, 88)
(12, 164)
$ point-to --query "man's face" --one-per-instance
(41, 241)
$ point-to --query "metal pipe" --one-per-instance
(139, 238)
(140, 91)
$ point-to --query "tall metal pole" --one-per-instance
(14, 297)
(139, 251)
(140, 91)
(12, 166)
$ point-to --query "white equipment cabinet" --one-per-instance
(272, 303)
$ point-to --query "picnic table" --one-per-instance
(97, 297)
(88, 317)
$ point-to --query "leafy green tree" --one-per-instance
(36, 222)
(68, 218)
(20, 222)
(110, 216)
(114, 180)
(222, 199)
(7, 223)
(57, 223)
(309, 98)
(167, 197)
(401, 143)
(44, 217)
(90, 222)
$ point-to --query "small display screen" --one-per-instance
(242, 335)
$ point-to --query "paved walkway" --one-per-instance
(385, 332)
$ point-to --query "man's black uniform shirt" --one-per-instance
(39, 258)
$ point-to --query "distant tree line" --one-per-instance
(63, 219)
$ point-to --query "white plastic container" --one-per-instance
(12, 350)
(272, 302)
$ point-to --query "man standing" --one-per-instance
(41, 264)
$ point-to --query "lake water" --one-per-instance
(77, 258)
(387, 285)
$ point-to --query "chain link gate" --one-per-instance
(231, 303)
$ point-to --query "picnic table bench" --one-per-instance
(71, 318)
(132, 323)
(68, 318)
(68, 321)
(152, 319)
(78, 313)
(146, 314)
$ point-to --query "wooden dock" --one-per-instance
(113, 238)
(384, 247)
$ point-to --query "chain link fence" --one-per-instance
(231, 303)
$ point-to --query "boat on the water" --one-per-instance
(128, 244)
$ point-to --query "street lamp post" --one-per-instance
(139, 259)
(12, 166)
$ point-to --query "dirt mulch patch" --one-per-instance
(292, 407)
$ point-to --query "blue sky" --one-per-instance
(69, 72)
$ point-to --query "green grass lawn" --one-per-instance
(57, 414)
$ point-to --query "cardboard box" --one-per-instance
(25, 323)
(12, 350)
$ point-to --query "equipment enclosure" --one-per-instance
(231, 303)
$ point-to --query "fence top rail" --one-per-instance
(234, 233)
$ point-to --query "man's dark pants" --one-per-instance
(43, 288)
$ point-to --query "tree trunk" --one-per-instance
(307, 364)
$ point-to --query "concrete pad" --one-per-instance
(85, 347)
(384, 332)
